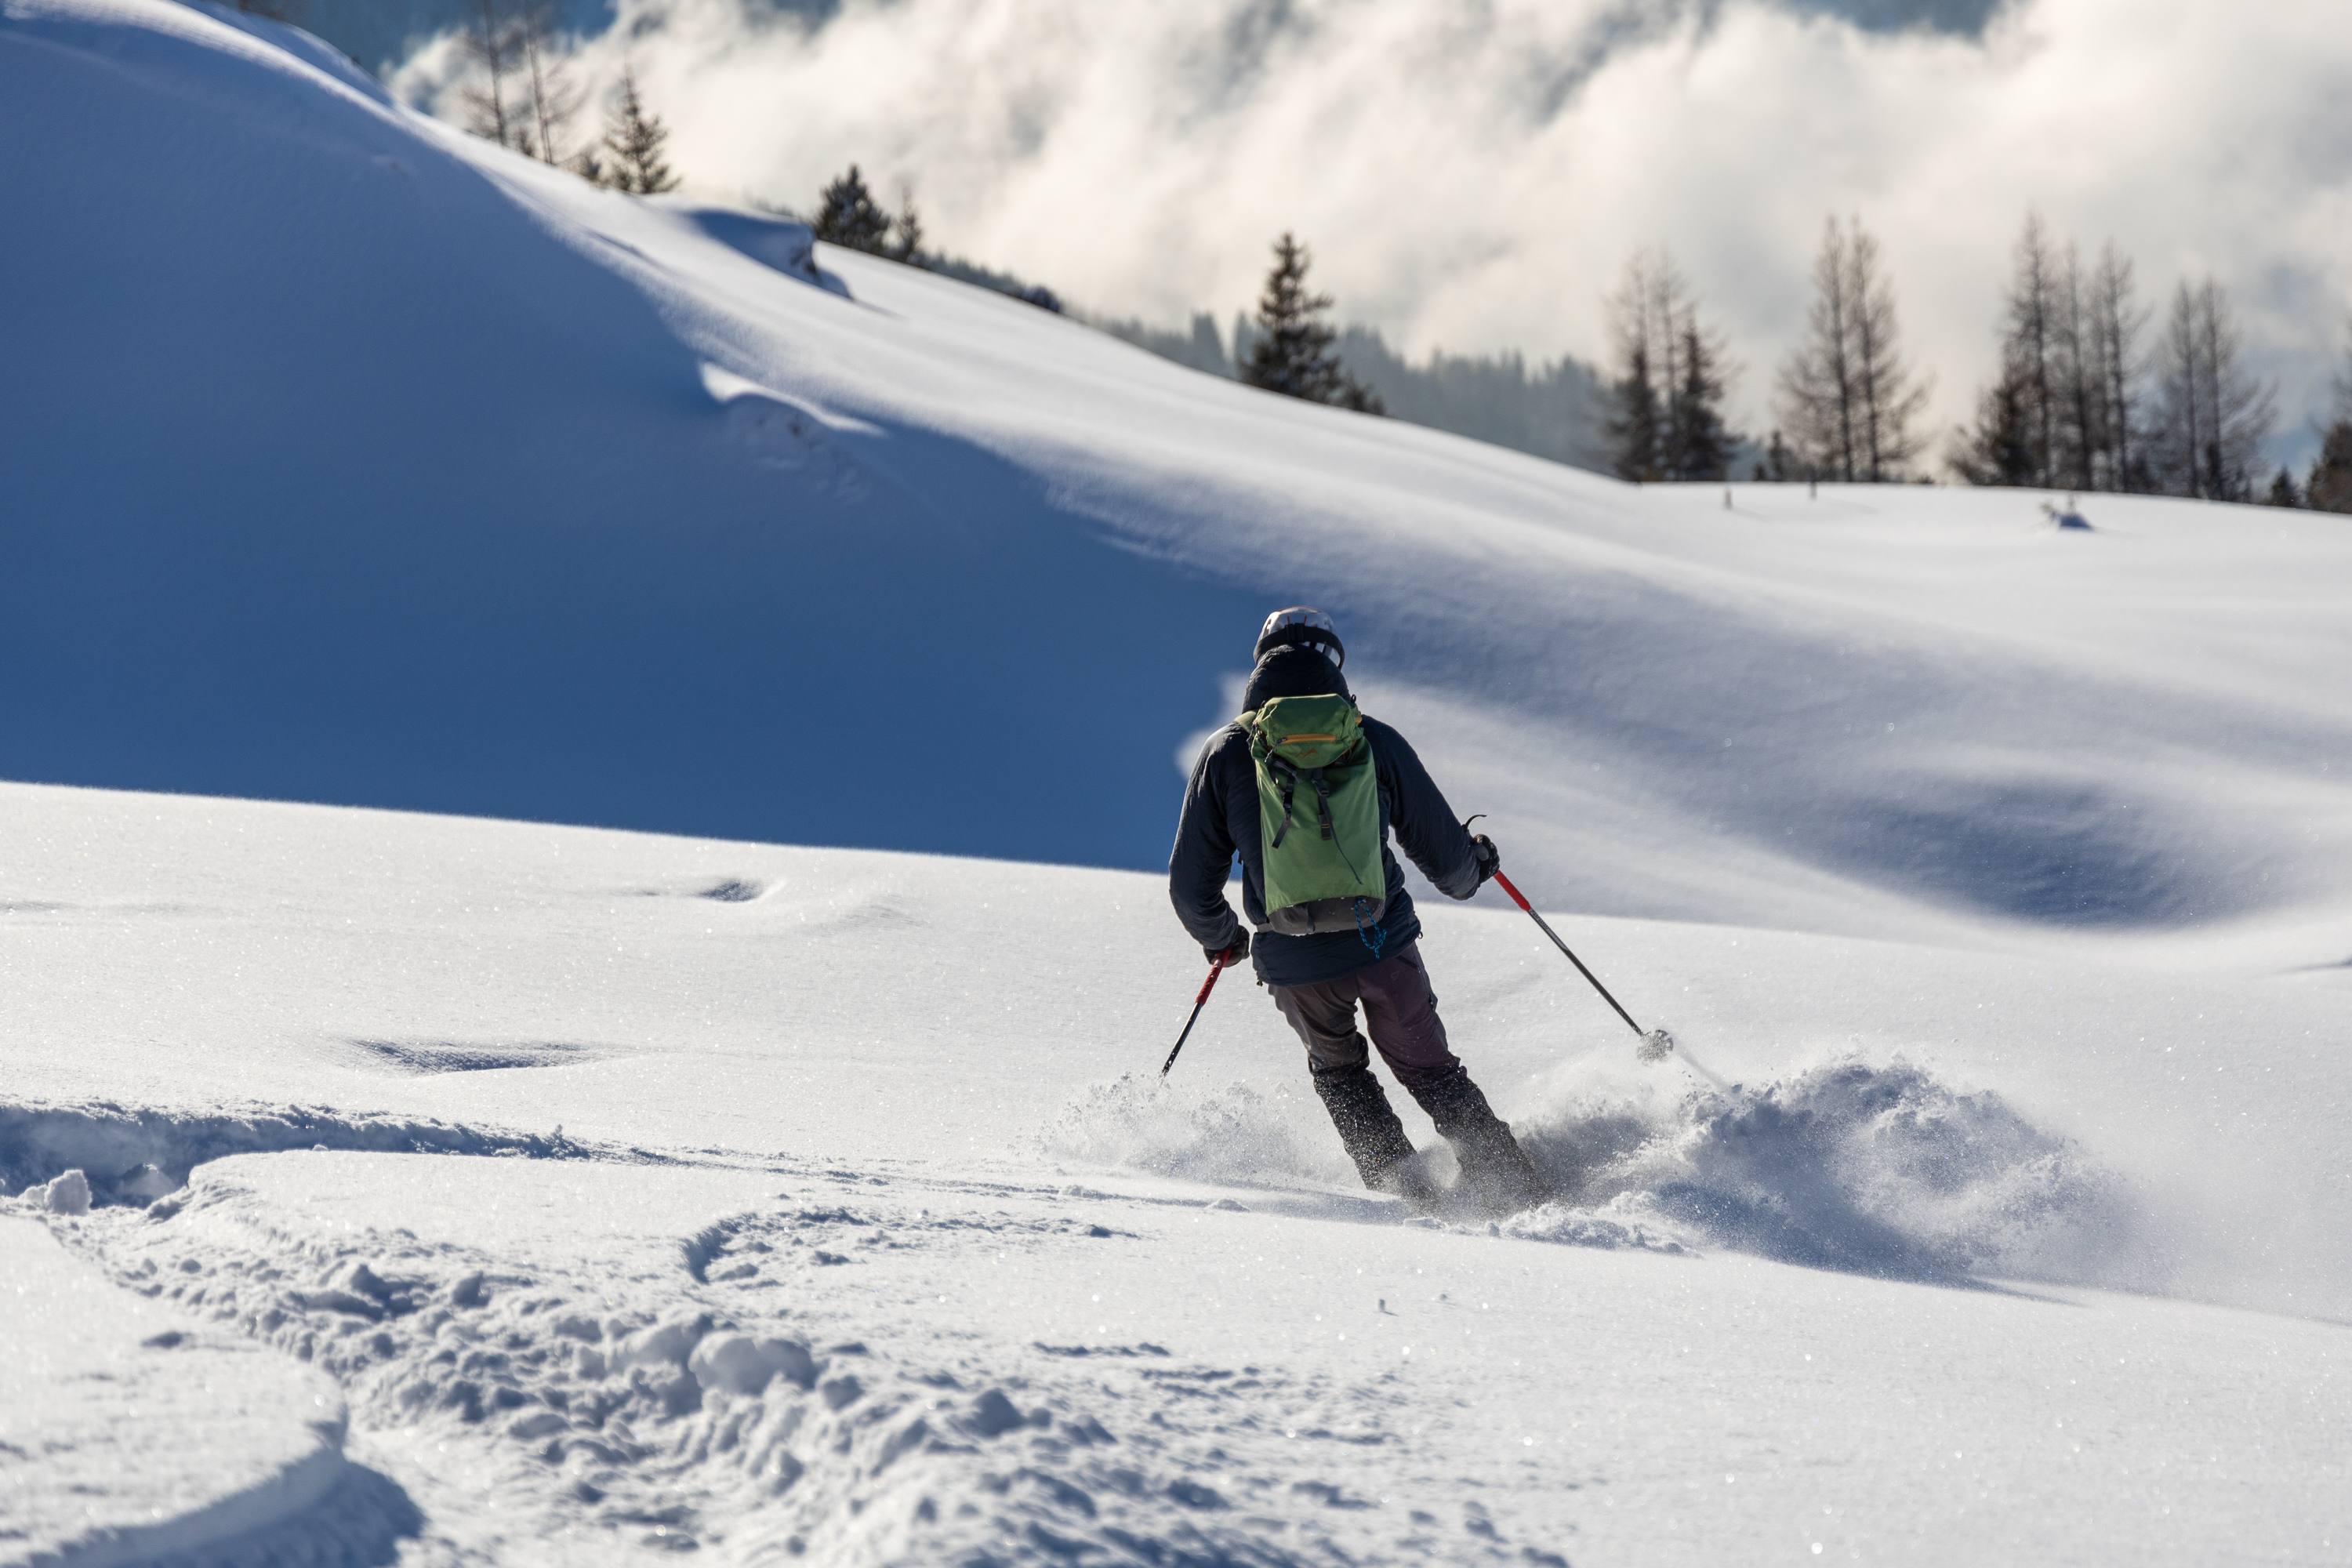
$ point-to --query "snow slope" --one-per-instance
(840, 1204)
(790, 1199)
(379, 466)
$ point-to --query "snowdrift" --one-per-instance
(352, 459)
(134, 1433)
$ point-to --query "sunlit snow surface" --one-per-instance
(611, 1196)
(640, 1192)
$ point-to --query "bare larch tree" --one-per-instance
(2118, 319)
(2213, 416)
(524, 96)
(1846, 398)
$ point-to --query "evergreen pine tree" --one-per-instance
(848, 216)
(906, 242)
(1290, 352)
(633, 145)
(1291, 348)
(1667, 418)
(1704, 442)
(1633, 424)
(1635, 427)
(2283, 491)
(1999, 449)
(2330, 488)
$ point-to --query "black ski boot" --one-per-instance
(1496, 1170)
(1372, 1135)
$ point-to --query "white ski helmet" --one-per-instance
(1301, 624)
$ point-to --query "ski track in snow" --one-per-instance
(741, 1386)
(695, 1389)
(789, 1359)
(1873, 1168)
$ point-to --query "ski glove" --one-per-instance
(1489, 858)
(1232, 954)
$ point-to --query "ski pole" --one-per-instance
(1655, 1043)
(1199, 1001)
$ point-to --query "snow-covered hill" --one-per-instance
(625, 1194)
(354, 461)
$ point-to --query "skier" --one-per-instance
(1306, 790)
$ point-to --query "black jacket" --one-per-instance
(1221, 818)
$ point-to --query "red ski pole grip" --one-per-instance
(1516, 897)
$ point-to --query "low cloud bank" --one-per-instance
(1475, 179)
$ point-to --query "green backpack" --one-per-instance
(1318, 811)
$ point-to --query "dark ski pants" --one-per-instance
(1400, 1010)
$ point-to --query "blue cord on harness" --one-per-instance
(1375, 939)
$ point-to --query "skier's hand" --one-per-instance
(1233, 954)
(1489, 858)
